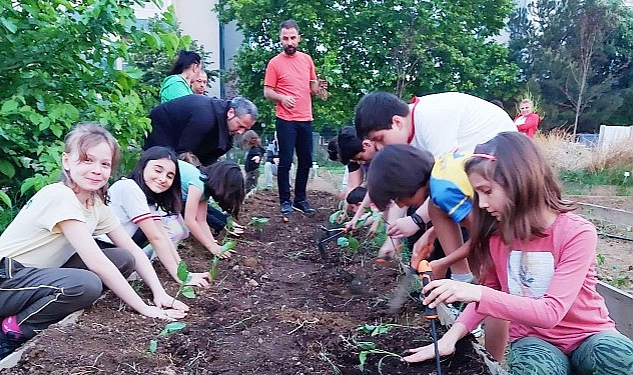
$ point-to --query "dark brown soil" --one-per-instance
(275, 308)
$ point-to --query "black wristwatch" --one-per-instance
(418, 220)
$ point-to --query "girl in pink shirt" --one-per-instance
(537, 264)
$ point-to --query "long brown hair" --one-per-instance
(80, 139)
(515, 162)
(224, 182)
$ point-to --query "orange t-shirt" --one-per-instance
(291, 75)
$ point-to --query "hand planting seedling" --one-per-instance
(170, 328)
(228, 246)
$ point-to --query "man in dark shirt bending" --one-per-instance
(201, 125)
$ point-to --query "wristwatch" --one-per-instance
(418, 220)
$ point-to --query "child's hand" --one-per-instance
(373, 228)
(166, 301)
(424, 353)
(256, 159)
(217, 251)
(166, 314)
(449, 291)
(200, 279)
(403, 227)
(423, 247)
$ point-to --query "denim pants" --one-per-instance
(293, 136)
(604, 353)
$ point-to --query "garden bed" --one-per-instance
(275, 308)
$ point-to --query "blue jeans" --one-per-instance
(293, 136)
(603, 353)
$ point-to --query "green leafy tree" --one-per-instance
(63, 64)
(407, 47)
(578, 53)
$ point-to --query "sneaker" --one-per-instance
(304, 207)
(455, 311)
(8, 344)
(478, 331)
(286, 208)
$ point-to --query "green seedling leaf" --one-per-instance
(342, 241)
(380, 330)
(228, 247)
(365, 345)
(335, 217)
(213, 271)
(362, 358)
(353, 243)
(5, 198)
(182, 272)
(366, 328)
(188, 292)
(172, 327)
(153, 346)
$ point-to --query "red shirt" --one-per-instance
(527, 124)
(291, 75)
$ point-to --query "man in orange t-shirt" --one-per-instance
(289, 82)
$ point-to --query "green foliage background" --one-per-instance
(62, 63)
(408, 47)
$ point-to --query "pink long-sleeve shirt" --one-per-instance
(546, 287)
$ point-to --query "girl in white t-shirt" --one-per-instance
(148, 204)
(50, 264)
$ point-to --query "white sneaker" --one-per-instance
(478, 331)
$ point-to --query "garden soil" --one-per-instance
(276, 307)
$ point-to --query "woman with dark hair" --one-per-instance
(183, 72)
(224, 183)
(148, 204)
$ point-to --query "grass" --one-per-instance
(580, 168)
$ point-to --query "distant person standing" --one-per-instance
(527, 121)
(183, 72)
(290, 80)
(199, 84)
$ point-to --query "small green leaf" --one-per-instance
(172, 327)
(227, 247)
(153, 346)
(6, 168)
(353, 243)
(188, 292)
(366, 345)
(5, 198)
(9, 106)
(342, 241)
(362, 357)
(9, 25)
(182, 272)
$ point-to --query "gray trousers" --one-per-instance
(40, 297)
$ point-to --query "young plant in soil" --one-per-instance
(213, 271)
(169, 329)
(258, 223)
(184, 277)
(370, 348)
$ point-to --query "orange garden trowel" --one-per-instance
(410, 274)
(330, 234)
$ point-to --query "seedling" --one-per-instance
(170, 328)
(370, 348)
(213, 271)
(258, 223)
(377, 329)
(184, 276)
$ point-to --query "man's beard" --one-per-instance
(290, 50)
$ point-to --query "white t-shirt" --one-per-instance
(129, 204)
(34, 237)
(454, 122)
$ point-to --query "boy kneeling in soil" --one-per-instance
(410, 178)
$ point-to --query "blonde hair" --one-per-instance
(528, 101)
(80, 139)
